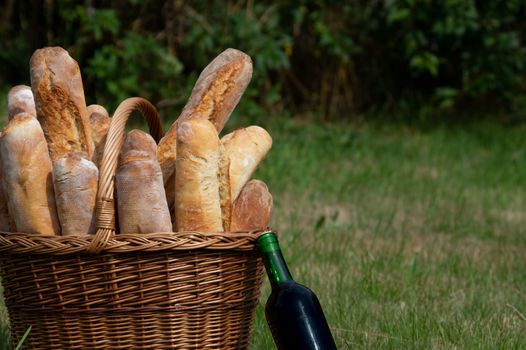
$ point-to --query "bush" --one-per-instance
(325, 58)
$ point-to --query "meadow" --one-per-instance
(412, 238)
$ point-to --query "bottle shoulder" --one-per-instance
(293, 291)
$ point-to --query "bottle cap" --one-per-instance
(268, 242)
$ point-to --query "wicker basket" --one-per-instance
(130, 291)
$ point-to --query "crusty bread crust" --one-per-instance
(141, 200)
(75, 181)
(99, 121)
(225, 193)
(197, 199)
(27, 172)
(20, 100)
(219, 87)
(138, 146)
(214, 96)
(244, 149)
(98, 109)
(252, 210)
(59, 98)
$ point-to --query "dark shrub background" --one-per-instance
(327, 60)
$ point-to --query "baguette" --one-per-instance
(244, 149)
(59, 98)
(27, 175)
(99, 121)
(214, 97)
(219, 88)
(197, 201)
(75, 181)
(20, 100)
(252, 210)
(141, 200)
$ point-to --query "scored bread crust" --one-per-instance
(219, 87)
(99, 121)
(225, 194)
(197, 199)
(214, 96)
(20, 100)
(75, 181)
(27, 176)
(244, 148)
(141, 201)
(60, 104)
(252, 210)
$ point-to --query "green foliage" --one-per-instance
(136, 65)
(336, 59)
(467, 49)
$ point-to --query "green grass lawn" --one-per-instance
(410, 238)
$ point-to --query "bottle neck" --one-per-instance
(275, 264)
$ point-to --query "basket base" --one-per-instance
(164, 330)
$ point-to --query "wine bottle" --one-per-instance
(293, 311)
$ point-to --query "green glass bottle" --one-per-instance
(293, 311)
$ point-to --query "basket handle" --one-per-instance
(108, 165)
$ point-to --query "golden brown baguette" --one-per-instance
(27, 172)
(5, 220)
(20, 100)
(197, 202)
(75, 181)
(99, 120)
(219, 88)
(214, 97)
(141, 200)
(244, 149)
(59, 98)
(252, 210)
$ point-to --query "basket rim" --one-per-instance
(31, 243)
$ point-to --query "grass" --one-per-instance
(410, 238)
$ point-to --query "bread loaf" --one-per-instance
(20, 100)
(75, 181)
(59, 98)
(253, 207)
(5, 221)
(99, 121)
(244, 149)
(219, 87)
(27, 172)
(197, 201)
(141, 200)
(214, 97)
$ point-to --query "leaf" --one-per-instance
(398, 15)
(23, 339)
(425, 62)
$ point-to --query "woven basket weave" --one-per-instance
(130, 291)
